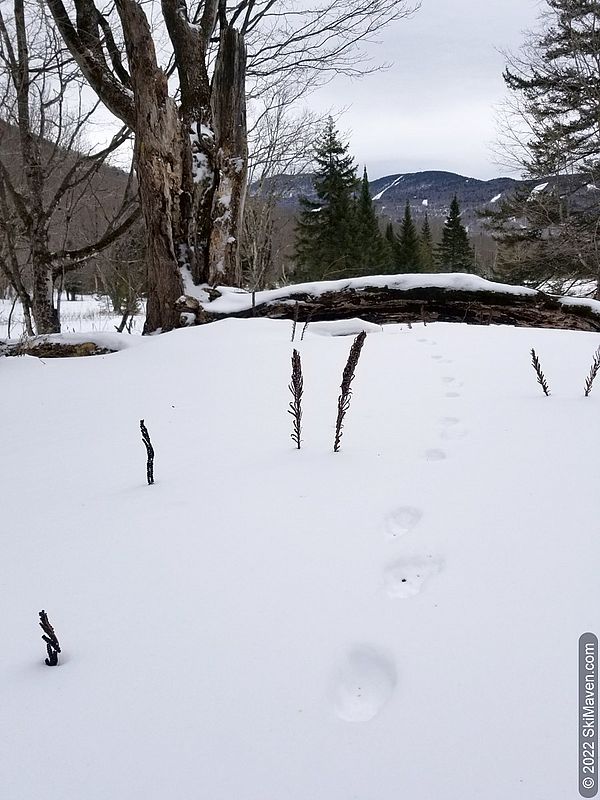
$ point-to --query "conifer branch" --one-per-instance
(149, 451)
(593, 372)
(52, 645)
(296, 387)
(346, 387)
(541, 378)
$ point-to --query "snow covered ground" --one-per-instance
(398, 620)
(88, 314)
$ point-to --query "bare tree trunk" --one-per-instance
(159, 165)
(229, 112)
(191, 149)
(44, 312)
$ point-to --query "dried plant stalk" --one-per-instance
(593, 372)
(52, 645)
(296, 387)
(305, 326)
(538, 371)
(296, 311)
(149, 451)
(346, 393)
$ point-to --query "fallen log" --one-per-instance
(383, 304)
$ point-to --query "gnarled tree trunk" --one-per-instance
(190, 156)
(229, 113)
(159, 165)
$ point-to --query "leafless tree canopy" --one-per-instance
(180, 76)
(47, 171)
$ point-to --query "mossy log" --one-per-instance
(44, 349)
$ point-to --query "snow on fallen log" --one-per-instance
(453, 297)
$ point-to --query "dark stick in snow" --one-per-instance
(52, 645)
(296, 309)
(538, 371)
(150, 451)
(593, 372)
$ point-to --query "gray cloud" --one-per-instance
(434, 109)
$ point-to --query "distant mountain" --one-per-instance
(432, 192)
(429, 192)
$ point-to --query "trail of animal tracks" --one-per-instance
(265, 623)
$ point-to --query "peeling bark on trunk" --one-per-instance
(191, 155)
(229, 112)
(159, 155)
(45, 314)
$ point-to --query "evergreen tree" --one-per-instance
(455, 254)
(325, 231)
(408, 253)
(557, 77)
(391, 246)
(543, 235)
(426, 246)
(370, 250)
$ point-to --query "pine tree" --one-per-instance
(391, 246)
(325, 231)
(541, 235)
(408, 254)
(370, 251)
(557, 77)
(426, 246)
(455, 254)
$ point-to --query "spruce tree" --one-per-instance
(408, 253)
(556, 78)
(426, 246)
(370, 251)
(325, 246)
(455, 254)
(391, 247)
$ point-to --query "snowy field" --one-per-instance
(398, 621)
(87, 314)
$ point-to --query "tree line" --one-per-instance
(549, 229)
(182, 83)
(180, 77)
(338, 233)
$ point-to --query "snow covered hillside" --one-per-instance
(395, 621)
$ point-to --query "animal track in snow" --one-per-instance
(448, 379)
(364, 683)
(452, 394)
(436, 358)
(406, 577)
(449, 422)
(451, 429)
(435, 454)
(401, 520)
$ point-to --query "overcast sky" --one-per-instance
(434, 109)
